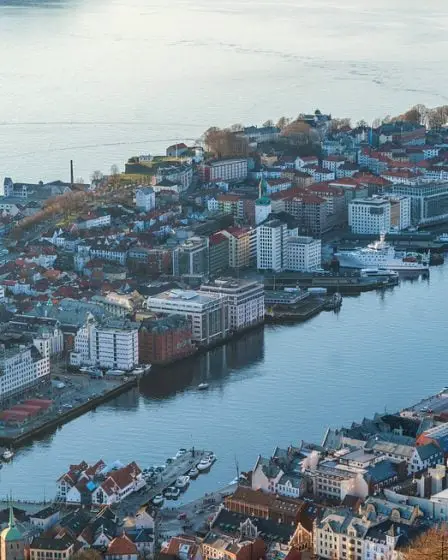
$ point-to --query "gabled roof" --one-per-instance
(121, 546)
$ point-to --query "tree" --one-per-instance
(79, 181)
(238, 127)
(438, 116)
(376, 123)
(432, 545)
(298, 132)
(339, 124)
(88, 554)
(362, 123)
(283, 122)
(224, 143)
(96, 176)
(114, 170)
(269, 123)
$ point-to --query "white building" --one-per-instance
(245, 299)
(400, 211)
(369, 215)
(49, 341)
(112, 344)
(94, 221)
(21, 369)
(263, 208)
(303, 254)
(207, 312)
(271, 240)
(231, 170)
(145, 199)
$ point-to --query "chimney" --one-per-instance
(71, 172)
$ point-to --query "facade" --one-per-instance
(400, 212)
(145, 199)
(369, 216)
(22, 369)
(207, 312)
(242, 246)
(263, 208)
(49, 340)
(111, 344)
(429, 202)
(303, 254)
(165, 340)
(271, 241)
(219, 246)
(229, 170)
(191, 258)
(54, 549)
(245, 300)
(12, 542)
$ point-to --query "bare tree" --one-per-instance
(362, 123)
(268, 123)
(114, 170)
(283, 122)
(238, 127)
(224, 143)
(339, 124)
(96, 176)
(376, 123)
(79, 181)
(432, 545)
(298, 132)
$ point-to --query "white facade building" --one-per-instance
(21, 369)
(225, 170)
(207, 312)
(145, 199)
(369, 215)
(111, 345)
(263, 208)
(271, 240)
(303, 254)
(49, 341)
(245, 299)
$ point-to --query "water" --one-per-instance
(101, 80)
(383, 351)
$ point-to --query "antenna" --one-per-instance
(237, 468)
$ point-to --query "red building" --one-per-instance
(165, 340)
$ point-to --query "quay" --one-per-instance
(17, 436)
(350, 282)
(179, 467)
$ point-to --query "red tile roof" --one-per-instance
(121, 546)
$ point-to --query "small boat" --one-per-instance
(204, 464)
(172, 492)
(181, 452)
(182, 482)
(212, 457)
(202, 386)
(7, 455)
(158, 500)
(193, 473)
(138, 371)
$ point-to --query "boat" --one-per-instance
(180, 453)
(138, 371)
(172, 492)
(334, 302)
(158, 500)
(204, 464)
(7, 455)
(202, 386)
(443, 238)
(381, 254)
(182, 482)
(193, 473)
(211, 457)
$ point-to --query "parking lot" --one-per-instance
(434, 404)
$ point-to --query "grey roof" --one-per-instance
(381, 472)
(45, 513)
(51, 544)
(429, 450)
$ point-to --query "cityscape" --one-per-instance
(223, 342)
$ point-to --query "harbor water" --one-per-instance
(98, 81)
(277, 385)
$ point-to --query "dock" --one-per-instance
(179, 467)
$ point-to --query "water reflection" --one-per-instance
(213, 367)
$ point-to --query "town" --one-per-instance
(102, 284)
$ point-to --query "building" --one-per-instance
(161, 169)
(219, 249)
(311, 212)
(94, 220)
(242, 246)
(99, 484)
(61, 548)
(192, 257)
(303, 254)
(207, 312)
(12, 542)
(340, 535)
(22, 369)
(370, 215)
(145, 199)
(230, 170)
(49, 340)
(122, 548)
(165, 340)
(400, 212)
(271, 241)
(111, 344)
(429, 202)
(45, 518)
(245, 300)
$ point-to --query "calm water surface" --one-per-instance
(383, 351)
(100, 80)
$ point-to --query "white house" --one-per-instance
(369, 215)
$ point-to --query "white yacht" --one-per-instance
(182, 482)
(7, 455)
(381, 254)
(158, 500)
(204, 464)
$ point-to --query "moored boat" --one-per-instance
(193, 473)
(7, 455)
(158, 500)
(203, 386)
(204, 464)
(182, 482)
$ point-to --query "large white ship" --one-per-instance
(381, 254)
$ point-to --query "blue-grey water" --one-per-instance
(100, 80)
(383, 351)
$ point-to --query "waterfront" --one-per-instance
(381, 351)
(106, 79)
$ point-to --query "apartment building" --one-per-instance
(192, 257)
(271, 240)
(230, 170)
(242, 246)
(303, 253)
(207, 312)
(245, 300)
(370, 215)
(145, 199)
